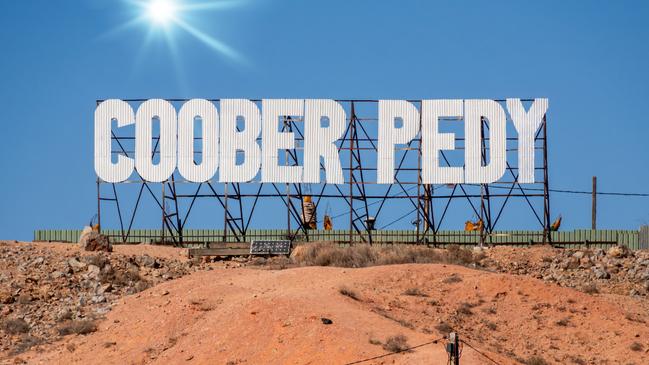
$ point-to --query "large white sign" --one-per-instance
(222, 141)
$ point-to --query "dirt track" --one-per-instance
(253, 316)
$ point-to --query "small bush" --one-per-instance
(375, 341)
(79, 327)
(535, 360)
(577, 360)
(278, 262)
(415, 292)
(458, 255)
(201, 305)
(444, 328)
(15, 326)
(465, 308)
(26, 342)
(454, 278)
(631, 317)
(405, 323)
(402, 322)
(636, 346)
(590, 289)
(563, 322)
(490, 325)
(348, 292)
(327, 254)
(398, 343)
(489, 310)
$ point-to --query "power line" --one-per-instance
(598, 193)
(567, 191)
(480, 352)
(563, 191)
(396, 352)
(375, 202)
(400, 218)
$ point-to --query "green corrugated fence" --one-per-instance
(574, 238)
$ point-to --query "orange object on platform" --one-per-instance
(328, 225)
(473, 226)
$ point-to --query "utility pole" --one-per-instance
(594, 205)
(453, 348)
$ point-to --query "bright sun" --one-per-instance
(168, 17)
(161, 11)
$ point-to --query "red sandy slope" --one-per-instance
(250, 316)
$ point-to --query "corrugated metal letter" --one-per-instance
(321, 141)
(389, 136)
(105, 113)
(273, 140)
(244, 141)
(166, 114)
(210, 126)
(475, 110)
(526, 125)
(433, 141)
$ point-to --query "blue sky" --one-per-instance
(588, 57)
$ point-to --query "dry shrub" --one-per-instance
(201, 305)
(458, 255)
(405, 323)
(349, 292)
(490, 325)
(636, 346)
(465, 308)
(452, 279)
(26, 342)
(535, 360)
(15, 326)
(590, 289)
(563, 322)
(328, 254)
(577, 360)
(278, 263)
(406, 254)
(375, 341)
(402, 322)
(415, 292)
(259, 261)
(489, 310)
(633, 318)
(398, 343)
(444, 328)
(80, 327)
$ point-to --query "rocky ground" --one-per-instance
(54, 295)
(47, 292)
(617, 270)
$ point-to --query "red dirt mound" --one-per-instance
(248, 316)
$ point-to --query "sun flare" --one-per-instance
(161, 11)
